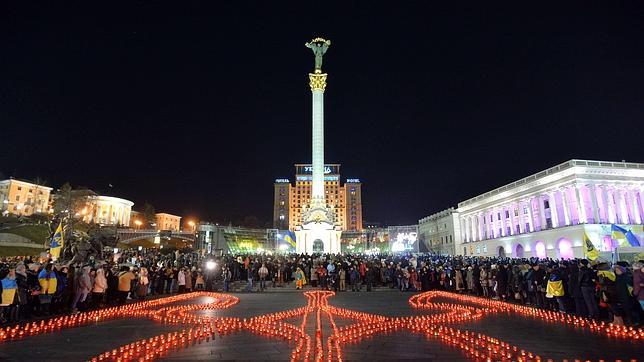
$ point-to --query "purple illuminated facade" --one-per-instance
(546, 214)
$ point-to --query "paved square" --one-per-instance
(382, 325)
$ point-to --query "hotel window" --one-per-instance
(507, 214)
(516, 212)
(490, 217)
(527, 227)
(508, 231)
(17, 197)
(546, 204)
(518, 229)
(498, 215)
(525, 210)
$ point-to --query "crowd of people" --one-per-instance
(38, 288)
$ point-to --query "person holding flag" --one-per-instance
(57, 241)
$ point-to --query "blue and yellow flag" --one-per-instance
(623, 236)
(555, 288)
(589, 249)
(289, 237)
(9, 286)
(57, 241)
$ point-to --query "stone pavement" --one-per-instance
(547, 339)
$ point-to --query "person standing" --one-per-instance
(343, 276)
(48, 283)
(300, 279)
(181, 280)
(638, 283)
(249, 278)
(83, 287)
(142, 285)
(263, 273)
(125, 278)
(226, 276)
(587, 281)
(100, 286)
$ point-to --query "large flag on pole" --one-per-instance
(57, 241)
(589, 249)
(623, 236)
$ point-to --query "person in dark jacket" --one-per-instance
(575, 291)
(587, 282)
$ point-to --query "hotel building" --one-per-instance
(346, 199)
(23, 198)
(547, 214)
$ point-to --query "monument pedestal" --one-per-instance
(318, 237)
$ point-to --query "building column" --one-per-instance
(481, 233)
(513, 230)
(566, 207)
(581, 204)
(552, 202)
(542, 213)
(634, 207)
(593, 200)
(610, 214)
(530, 216)
(621, 208)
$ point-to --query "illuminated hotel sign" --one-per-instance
(281, 181)
(309, 178)
(353, 180)
(307, 169)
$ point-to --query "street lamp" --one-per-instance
(192, 223)
(138, 224)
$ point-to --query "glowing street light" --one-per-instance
(192, 223)
(138, 224)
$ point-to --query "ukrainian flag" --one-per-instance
(48, 282)
(9, 287)
(589, 249)
(57, 241)
(289, 237)
(625, 237)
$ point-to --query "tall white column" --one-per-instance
(621, 206)
(317, 189)
(542, 213)
(530, 216)
(552, 202)
(611, 215)
(566, 207)
(632, 197)
(581, 204)
(513, 230)
(593, 200)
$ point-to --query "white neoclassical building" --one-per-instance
(107, 210)
(547, 214)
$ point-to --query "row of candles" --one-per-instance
(139, 309)
(202, 327)
(422, 301)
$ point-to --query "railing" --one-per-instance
(552, 170)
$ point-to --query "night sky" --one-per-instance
(198, 107)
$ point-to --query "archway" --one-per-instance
(540, 249)
(565, 249)
(501, 252)
(518, 251)
(318, 246)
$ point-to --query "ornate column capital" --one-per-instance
(317, 81)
